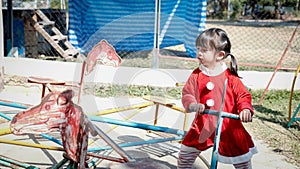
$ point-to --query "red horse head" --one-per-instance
(103, 52)
(57, 112)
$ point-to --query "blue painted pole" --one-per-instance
(4, 163)
(215, 152)
(131, 144)
(294, 118)
(12, 163)
(60, 164)
(214, 160)
(5, 116)
(13, 104)
(223, 114)
(9, 26)
(46, 136)
(137, 125)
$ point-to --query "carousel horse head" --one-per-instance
(103, 52)
(57, 112)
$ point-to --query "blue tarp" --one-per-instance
(129, 25)
(19, 38)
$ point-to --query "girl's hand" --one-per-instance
(198, 108)
(245, 115)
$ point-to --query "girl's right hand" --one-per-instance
(198, 108)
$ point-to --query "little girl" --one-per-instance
(203, 90)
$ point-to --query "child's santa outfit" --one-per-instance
(206, 87)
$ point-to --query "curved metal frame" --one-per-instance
(291, 97)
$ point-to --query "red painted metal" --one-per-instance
(103, 52)
(57, 112)
(278, 64)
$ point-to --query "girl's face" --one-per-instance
(207, 57)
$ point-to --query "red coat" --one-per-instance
(236, 144)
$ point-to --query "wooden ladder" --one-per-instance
(57, 40)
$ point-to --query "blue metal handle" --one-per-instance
(223, 114)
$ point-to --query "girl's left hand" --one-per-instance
(245, 115)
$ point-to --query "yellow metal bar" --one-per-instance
(179, 84)
(114, 110)
(156, 113)
(185, 122)
(164, 101)
(174, 107)
(292, 91)
(5, 131)
(167, 103)
(125, 119)
(31, 145)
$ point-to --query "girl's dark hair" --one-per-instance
(216, 38)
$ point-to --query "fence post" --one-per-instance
(155, 51)
(1, 50)
(9, 24)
